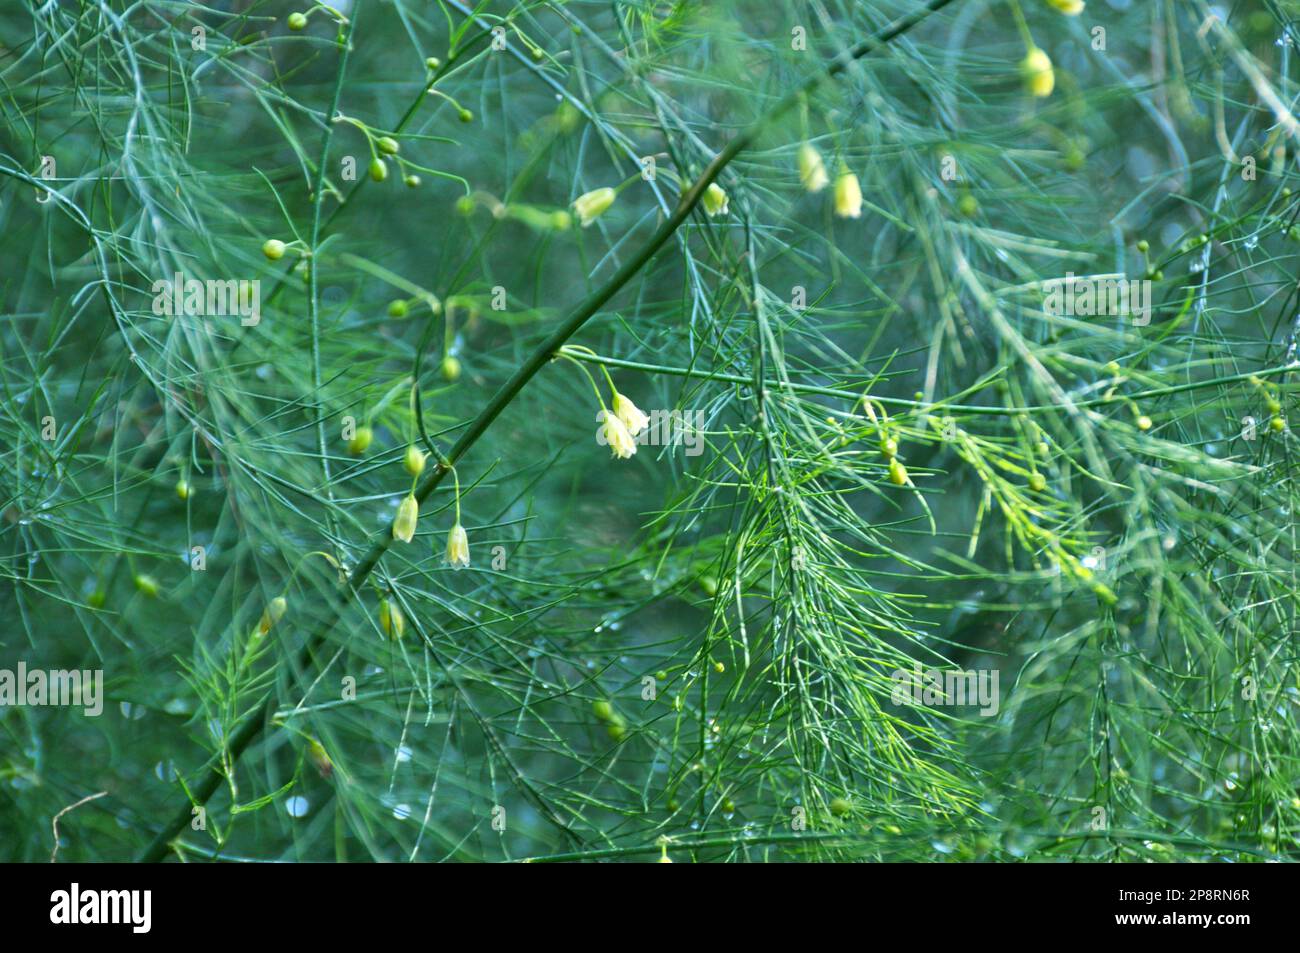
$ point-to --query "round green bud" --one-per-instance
(450, 368)
(360, 441)
(1143, 245)
(466, 116)
(147, 585)
(397, 308)
(413, 462)
(378, 169)
(387, 145)
(602, 709)
(1037, 482)
(412, 181)
(273, 249)
(968, 205)
(432, 62)
(840, 806)
(297, 21)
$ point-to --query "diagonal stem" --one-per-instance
(256, 722)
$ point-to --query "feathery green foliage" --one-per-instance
(902, 443)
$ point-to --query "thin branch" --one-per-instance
(54, 823)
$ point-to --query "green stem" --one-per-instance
(929, 406)
(313, 287)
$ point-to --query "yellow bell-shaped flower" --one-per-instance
(408, 513)
(1036, 68)
(812, 171)
(633, 419)
(591, 205)
(457, 547)
(714, 200)
(616, 435)
(848, 195)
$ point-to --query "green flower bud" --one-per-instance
(360, 442)
(413, 462)
(391, 619)
(274, 611)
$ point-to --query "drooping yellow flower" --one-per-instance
(848, 195)
(812, 171)
(633, 419)
(407, 516)
(617, 437)
(1071, 8)
(457, 547)
(272, 614)
(591, 205)
(714, 200)
(1036, 68)
(391, 619)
